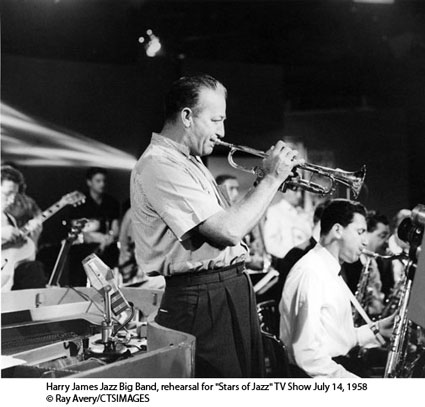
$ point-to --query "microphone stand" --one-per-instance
(112, 348)
(64, 251)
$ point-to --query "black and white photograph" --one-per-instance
(218, 200)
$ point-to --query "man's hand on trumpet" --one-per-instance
(280, 161)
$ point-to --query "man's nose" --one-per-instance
(220, 131)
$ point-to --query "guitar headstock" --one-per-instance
(73, 198)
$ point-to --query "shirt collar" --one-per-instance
(286, 205)
(330, 261)
(159, 140)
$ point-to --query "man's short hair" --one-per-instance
(339, 211)
(185, 91)
(221, 179)
(92, 171)
(8, 173)
(373, 218)
(318, 211)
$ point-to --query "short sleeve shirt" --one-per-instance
(172, 193)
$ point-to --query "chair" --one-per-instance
(275, 352)
(269, 317)
(275, 356)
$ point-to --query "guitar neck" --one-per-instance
(49, 212)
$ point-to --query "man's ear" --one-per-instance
(186, 117)
(337, 230)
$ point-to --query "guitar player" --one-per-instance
(100, 234)
(18, 209)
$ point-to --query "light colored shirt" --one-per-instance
(316, 319)
(284, 228)
(125, 238)
(172, 193)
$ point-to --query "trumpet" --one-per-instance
(352, 180)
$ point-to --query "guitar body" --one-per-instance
(24, 250)
(12, 257)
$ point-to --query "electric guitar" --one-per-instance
(15, 253)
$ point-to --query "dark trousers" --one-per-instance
(219, 309)
(364, 362)
(353, 365)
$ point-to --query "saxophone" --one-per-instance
(363, 290)
(407, 353)
(361, 293)
(393, 301)
(398, 344)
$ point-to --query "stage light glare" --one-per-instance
(153, 47)
(28, 142)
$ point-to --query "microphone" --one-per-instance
(101, 277)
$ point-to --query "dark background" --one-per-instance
(335, 75)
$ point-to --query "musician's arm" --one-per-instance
(94, 237)
(8, 233)
(104, 239)
(36, 228)
(115, 229)
(35, 224)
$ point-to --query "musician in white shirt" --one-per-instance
(316, 319)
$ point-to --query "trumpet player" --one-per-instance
(316, 319)
(185, 230)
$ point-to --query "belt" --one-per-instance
(205, 276)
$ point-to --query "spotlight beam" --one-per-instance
(27, 141)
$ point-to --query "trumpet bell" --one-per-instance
(352, 180)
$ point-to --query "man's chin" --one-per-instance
(207, 151)
(352, 259)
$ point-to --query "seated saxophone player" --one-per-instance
(369, 277)
(185, 230)
(316, 318)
